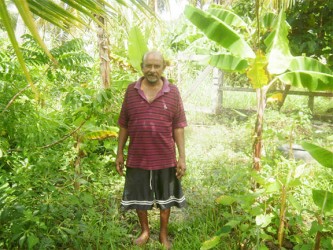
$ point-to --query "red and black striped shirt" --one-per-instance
(150, 126)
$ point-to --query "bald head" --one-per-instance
(154, 53)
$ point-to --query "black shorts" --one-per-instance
(146, 188)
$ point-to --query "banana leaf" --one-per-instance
(257, 71)
(228, 17)
(278, 53)
(219, 31)
(323, 199)
(321, 155)
(228, 62)
(137, 47)
(308, 73)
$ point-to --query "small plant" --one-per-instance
(322, 198)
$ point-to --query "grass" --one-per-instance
(219, 163)
(214, 152)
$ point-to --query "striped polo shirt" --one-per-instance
(150, 126)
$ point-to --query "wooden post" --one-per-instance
(311, 102)
(219, 102)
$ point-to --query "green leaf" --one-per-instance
(277, 43)
(315, 227)
(295, 203)
(23, 8)
(295, 183)
(323, 156)
(225, 229)
(310, 80)
(268, 20)
(323, 199)
(225, 200)
(22, 240)
(219, 31)
(263, 220)
(11, 34)
(308, 73)
(209, 244)
(100, 135)
(244, 227)
(273, 187)
(32, 241)
(87, 198)
(137, 47)
(228, 17)
(231, 224)
(228, 62)
(85, 9)
(257, 71)
(68, 230)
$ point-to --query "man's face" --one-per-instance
(153, 67)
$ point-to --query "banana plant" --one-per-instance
(262, 53)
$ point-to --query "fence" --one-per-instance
(214, 87)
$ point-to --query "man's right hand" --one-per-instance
(120, 164)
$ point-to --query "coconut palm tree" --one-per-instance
(66, 14)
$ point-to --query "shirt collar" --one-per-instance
(165, 88)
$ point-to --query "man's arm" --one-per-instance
(180, 142)
(122, 139)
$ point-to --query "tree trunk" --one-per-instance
(77, 164)
(257, 144)
(103, 44)
(318, 235)
(282, 216)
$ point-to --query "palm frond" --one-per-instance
(6, 21)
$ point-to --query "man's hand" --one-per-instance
(181, 168)
(122, 138)
(120, 164)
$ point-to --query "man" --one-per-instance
(153, 117)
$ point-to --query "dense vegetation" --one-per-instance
(58, 138)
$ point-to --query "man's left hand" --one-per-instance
(181, 168)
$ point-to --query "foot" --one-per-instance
(142, 239)
(165, 242)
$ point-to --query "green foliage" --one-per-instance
(312, 29)
(9, 70)
(323, 156)
(277, 45)
(309, 73)
(219, 31)
(273, 62)
(137, 47)
(38, 205)
(251, 215)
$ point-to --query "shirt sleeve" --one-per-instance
(123, 117)
(179, 120)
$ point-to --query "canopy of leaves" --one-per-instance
(312, 29)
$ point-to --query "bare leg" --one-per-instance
(164, 220)
(144, 236)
